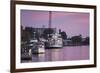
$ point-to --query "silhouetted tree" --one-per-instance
(86, 41)
(63, 34)
(47, 32)
(76, 40)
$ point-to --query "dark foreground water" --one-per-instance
(67, 53)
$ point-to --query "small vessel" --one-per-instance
(36, 46)
(26, 56)
(55, 41)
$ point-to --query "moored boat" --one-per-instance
(38, 48)
(55, 41)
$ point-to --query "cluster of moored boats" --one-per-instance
(35, 46)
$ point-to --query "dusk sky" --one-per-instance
(70, 22)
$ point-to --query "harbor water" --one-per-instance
(66, 53)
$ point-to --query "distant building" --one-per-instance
(38, 32)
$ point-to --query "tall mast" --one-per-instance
(50, 19)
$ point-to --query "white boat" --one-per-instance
(38, 48)
(55, 41)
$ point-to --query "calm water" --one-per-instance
(63, 54)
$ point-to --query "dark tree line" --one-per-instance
(76, 40)
(47, 33)
(29, 33)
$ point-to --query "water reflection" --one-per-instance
(53, 54)
(38, 57)
(63, 54)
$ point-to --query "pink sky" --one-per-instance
(70, 22)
